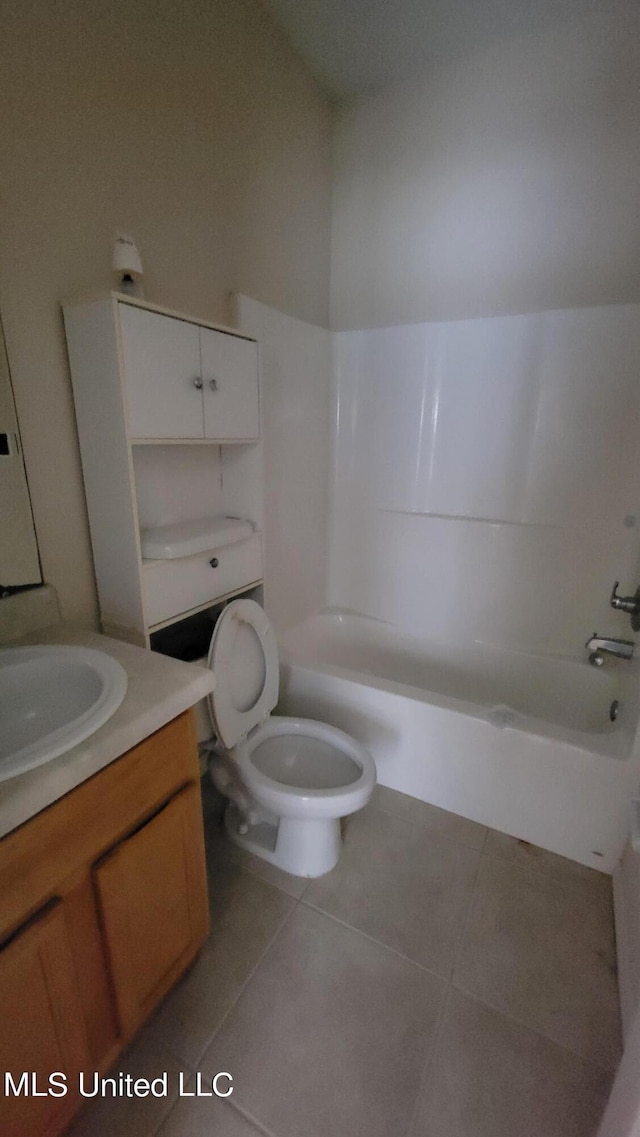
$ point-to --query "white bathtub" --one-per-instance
(523, 743)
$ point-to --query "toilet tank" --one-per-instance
(204, 726)
(189, 639)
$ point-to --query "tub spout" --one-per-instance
(599, 646)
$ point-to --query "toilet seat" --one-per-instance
(305, 739)
(243, 654)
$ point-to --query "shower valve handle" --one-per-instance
(628, 604)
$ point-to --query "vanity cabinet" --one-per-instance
(168, 414)
(149, 890)
(103, 904)
(39, 996)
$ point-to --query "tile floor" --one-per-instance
(442, 981)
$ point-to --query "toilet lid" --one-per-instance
(243, 656)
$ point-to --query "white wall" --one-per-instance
(296, 391)
(622, 1115)
(504, 182)
(486, 466)
(194, 126)
(487, 482)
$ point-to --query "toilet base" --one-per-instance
(302, 848)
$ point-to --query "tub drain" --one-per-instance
(613, 710)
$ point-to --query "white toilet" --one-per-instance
(289, 780)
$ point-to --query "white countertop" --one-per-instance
(158, 689)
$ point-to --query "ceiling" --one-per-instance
(353, 46)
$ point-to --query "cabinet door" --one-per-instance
(230, 376)
(161, 357)
(153, 898)
(43, 1029)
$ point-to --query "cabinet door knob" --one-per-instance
(197, 382)
(214, 562)
(213, 383)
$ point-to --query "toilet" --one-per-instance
(289, 781)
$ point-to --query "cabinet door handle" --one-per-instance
(213, 383)
(197, 382)
(214, 562)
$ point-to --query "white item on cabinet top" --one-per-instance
(168, 542)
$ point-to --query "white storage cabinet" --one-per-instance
(183, 380)
(168, 412)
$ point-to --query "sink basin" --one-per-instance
(51, 698)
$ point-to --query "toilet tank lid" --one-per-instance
(166, 542)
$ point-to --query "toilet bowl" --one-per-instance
(289, 781)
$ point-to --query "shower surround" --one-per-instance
(484, 495)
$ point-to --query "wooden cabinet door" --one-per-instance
(161, 357)
(230, 377)
(153, 898)
(42, 1031)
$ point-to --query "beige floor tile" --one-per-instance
(430, 816)
(331, 1034)
(206, 1117)
(589, 881)
(245, 915)
(401, 884)
(221, 852)
(132, 1117)
(545, 955)
(493, 1078)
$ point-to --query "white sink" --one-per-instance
(51, 698)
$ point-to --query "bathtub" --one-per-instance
(522, 743)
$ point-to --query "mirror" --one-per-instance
(19, 561)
